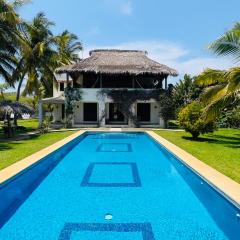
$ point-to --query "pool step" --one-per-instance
(115, 130)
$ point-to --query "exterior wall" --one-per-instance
(57, 112)
(155, 113)
(56, 85)
(78, 112)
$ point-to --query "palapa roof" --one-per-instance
(112, 61)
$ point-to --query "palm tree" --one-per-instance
(222, 86)
(10, 23)
(36, 56)
(67, 48)
(228, 44)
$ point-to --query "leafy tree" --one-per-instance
(168, 107)
(190, 119)
(3, 87)
(230, 118)
(222, 86)
(185, 91)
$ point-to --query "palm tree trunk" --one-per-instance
(17, 98)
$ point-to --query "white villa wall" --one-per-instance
(57, 112)
(78, 112)
(155, 113)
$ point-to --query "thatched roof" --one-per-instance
(8, 106)
(118, 62)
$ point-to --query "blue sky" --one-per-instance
(174, 32)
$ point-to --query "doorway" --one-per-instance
(89, 112)
(144, 112)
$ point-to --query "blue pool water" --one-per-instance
(150, 194)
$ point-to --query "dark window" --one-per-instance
(90, 112)
(143, 112)
(61, 86)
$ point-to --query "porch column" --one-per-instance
(133, 110)
(40, 113)
(101, 113)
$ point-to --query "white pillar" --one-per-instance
(133, 110)
(40, 113)
(101, 112)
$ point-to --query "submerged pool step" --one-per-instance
(115, 129)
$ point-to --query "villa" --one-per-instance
(109, 70)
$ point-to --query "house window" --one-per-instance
(61, 86)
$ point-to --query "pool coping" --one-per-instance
(226, 186)
(223, 184)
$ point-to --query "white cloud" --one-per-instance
(126, 8)
(172, 54)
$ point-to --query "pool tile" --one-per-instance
(133, 171)
(114, 147)
(144, 228)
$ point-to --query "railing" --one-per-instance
(92, 94)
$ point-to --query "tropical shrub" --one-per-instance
(230, 118)
(44, 128)
(190, 119)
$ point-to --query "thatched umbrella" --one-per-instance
(7, 107)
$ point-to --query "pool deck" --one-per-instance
(229, 188)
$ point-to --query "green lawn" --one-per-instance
(29, 124)
(221, 150)
(11, 152)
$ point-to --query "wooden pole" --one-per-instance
(165, 83)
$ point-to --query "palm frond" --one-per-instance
(211, 77)
(213, 110)
(228, 44)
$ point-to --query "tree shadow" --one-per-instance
(7, 144)
(227, 141)
(200, 139)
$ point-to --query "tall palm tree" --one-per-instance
(10, 23)
(68, 47)
(222, 86)
(36, 56)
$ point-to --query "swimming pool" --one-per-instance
(73, 193)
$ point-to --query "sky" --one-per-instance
(174, 32)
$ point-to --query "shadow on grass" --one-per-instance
(227, 141)
(10, 144)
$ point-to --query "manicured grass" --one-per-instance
(11, 152)
(29, 124)
(221, 150)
